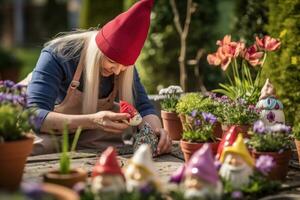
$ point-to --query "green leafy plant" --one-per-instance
(244, 82)
(198, 127)
(170, 95)
(64, 162)
(296, 131)
(189, 102)
(16, 119)
(270, 138)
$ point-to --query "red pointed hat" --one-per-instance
(122, 39)
(228, 139)
(126, 107)
(107, 164)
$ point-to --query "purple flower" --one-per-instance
(32, 190)
(237, 195)
(8, 83)
(79, 188)
(147, 188)
(242, 101)
(197, 122)
(177, 176)
(210, 118)
(259, 127)
(280, 128)
(194, 113)
(264, 164)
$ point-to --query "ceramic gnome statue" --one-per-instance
(228, 139)
(271, 107)
(107, 176)
(237, 164)
(145, 133)
(140, 172)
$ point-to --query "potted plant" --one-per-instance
(198, 128)
(10, 65)
(15, 140)
(275, 142)
(66, 176)
(296, 134)
(171, 121)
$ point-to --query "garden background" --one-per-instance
(26, 24)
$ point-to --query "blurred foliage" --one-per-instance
(158, 62)
(8, 59)
(283, 68)
(29, 57)
(95, 12)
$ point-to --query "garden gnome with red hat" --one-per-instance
(107, 176)
(81, 76)
(237, 164)
(228, 139)
(201, 178)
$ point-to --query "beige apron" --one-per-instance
(72, 104)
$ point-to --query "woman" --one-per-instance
(79, 76)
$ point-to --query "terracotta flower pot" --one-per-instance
(244, 129)
(188, 148)
(297, 143)
(59, 192)
(13, 157)
(279, 171)
(172, 124)
(218, 132)
(67, 180)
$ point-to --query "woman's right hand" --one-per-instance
(110, 121)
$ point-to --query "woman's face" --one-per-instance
(111, 67)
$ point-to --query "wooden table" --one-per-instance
(166, 164)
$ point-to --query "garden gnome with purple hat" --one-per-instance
(107, 175)
(201, 178)
(237, 164)
(271, 108)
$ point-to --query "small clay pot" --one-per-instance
(244, 129)
(67, 180)
(297, 143)
(172, 124)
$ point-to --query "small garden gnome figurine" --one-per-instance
(107, 176)
(135, 117)
(140, 172)
(237, 164)
(271, 107)
(228, 139)
(201, 178)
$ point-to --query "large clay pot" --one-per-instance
(13, 157)
(280, 169)
(297, 143)
(244, 128)
(67, 180)
(172, 124)
(189, 148)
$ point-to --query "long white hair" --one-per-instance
(83, 44)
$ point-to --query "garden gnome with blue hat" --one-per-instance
(237, 164)
(107, 176)
(201, 178)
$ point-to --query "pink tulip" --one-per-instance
(267, 43)
(252, 55)
(213, 59)
(226, 40)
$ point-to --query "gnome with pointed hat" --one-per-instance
(237, 163)
(80, 75)
(201, 178)
(140, 172)
(271, 108)
(107, 176)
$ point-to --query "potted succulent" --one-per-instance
(296, 134)
(15, 140)
(66, 176)
(198, 128)
(275, 142)
(171, 121)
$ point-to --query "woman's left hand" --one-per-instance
(165, 142)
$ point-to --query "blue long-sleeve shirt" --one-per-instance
(52, 76)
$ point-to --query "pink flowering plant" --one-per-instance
(274, 138)
(15, 119)
(242, 65)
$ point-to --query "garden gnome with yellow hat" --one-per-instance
(271, 108)
(237, 164)
(107, 176)
(140, 172)
(201, 178)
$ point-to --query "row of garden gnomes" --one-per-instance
(107, 176)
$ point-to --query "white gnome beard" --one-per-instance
(237, 175)
(136, 120)
(108, 183)
(133, 183)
